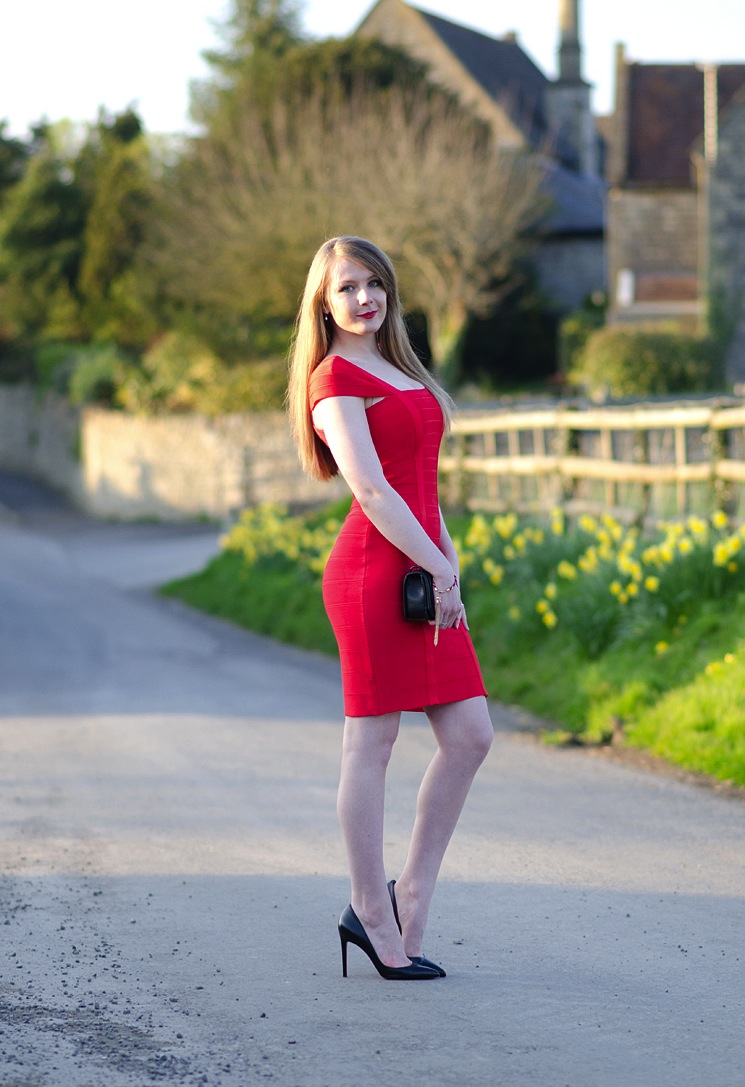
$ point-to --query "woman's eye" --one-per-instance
(375, 283)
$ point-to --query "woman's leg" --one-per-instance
(464, 734)
(366, 751)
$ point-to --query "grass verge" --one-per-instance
(587, 625)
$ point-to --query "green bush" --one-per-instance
(53, 365)
(181, 374)
(576, 329)
(95, 370)
(620, 361)
(86, 373)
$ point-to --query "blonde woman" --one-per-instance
(362, 404)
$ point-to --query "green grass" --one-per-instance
(666, 665)
(279, 602)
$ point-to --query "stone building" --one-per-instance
(675, 199)
(724, 187)
(525, 109)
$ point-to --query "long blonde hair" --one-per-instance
(313, 341)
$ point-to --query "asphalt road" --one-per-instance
(172, 870)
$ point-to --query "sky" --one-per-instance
(66, 58)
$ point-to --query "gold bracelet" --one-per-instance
(449, 589)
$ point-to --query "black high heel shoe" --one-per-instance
(420, 959)
(352, 932)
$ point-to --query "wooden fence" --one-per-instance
(637, 463)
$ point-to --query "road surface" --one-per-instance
(172, 872)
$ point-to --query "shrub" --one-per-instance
(576, 329)
(181, 374)
(619, 361)
(95, 370)
(53, 365)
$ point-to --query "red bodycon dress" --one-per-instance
(387, 663)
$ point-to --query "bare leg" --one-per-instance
(368, 743)
(464, 734)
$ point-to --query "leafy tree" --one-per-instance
(14, 156)
(41, 232)
(257, 36)
(111, 284)
(70, 231)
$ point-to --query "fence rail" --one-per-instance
(636, 462)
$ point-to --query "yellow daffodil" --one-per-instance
(566, 570)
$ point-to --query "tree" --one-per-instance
(70, 231)
(257, 36)
(14, 156)
(41, 233)
(409, 169)
(110, 281)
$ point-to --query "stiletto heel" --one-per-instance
(419, 959)
(351, 931)
(343, 938)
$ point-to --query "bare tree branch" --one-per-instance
(408, 170)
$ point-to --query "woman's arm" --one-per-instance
(448, 547)
(345, 428)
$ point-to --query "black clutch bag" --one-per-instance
(419, 595)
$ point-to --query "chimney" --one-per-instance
(568, 99)
(570, 51)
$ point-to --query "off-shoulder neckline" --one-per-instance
(362, 370)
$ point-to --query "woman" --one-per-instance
(362, 404)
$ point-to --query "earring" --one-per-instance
(326, 316)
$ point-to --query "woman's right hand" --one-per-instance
(452, 611)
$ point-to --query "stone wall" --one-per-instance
(169, 468)
(41, 437)
(653, 237)
(570, 269)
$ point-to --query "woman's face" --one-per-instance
(355, 298)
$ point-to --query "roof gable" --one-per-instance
(502, 68)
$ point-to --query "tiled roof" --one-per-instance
(666, 118)
(503, 69)
(578, 201)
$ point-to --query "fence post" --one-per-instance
(606, 452)
(718, 441)
(681, 459)
(566, 443)
(641, 455)
(539, 450)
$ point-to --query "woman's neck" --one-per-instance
(356, 348)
